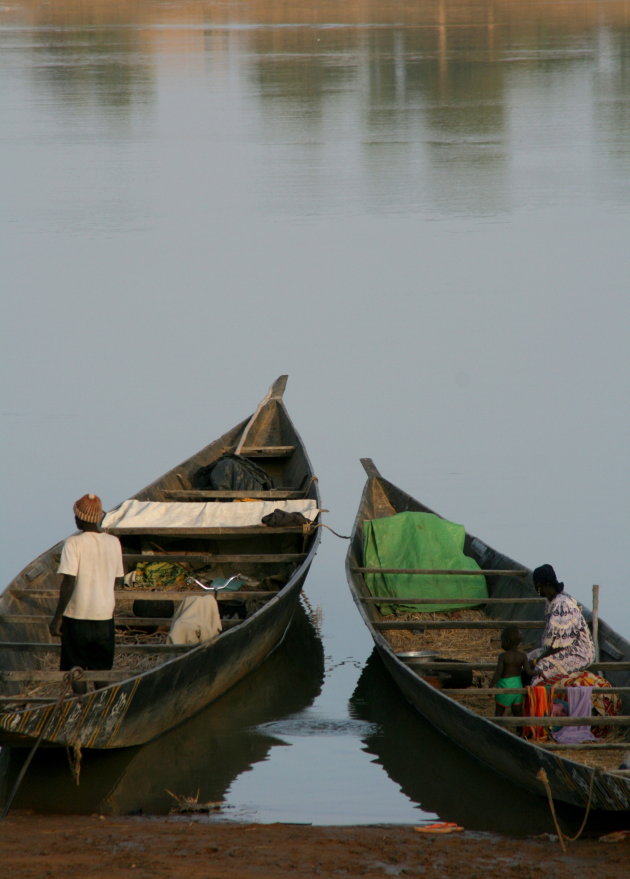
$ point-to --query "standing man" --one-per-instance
(91, 565)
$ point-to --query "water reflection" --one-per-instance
(399, 93)
(201, 757)
(444, 779)
(431, 55)
(93, 67)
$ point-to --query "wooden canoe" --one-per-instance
(200, 758)
(155, 685)
(584, 775)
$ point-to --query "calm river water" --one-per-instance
(420, 211)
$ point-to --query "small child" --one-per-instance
(511, 666)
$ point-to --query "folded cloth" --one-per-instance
(602, 704)
(537, 704)
(580, 702)
(196, 620)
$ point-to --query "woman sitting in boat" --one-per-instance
(567, 645)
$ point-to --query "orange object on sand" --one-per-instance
(439, 827)
(615, 836)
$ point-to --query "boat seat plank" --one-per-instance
(243, 531)
(24, 700)
(490, 666)
(546, 720)
(388, 599)
(122, 594)
(144, 595)
(38, 675)
(210, 559)
(41, 647)
(415, 626)
(586, 746)
(267, 451)
(140, 622)
(198, 494)
(494, 691)
(118, 620)
(466, 572)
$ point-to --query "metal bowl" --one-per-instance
(417, 654)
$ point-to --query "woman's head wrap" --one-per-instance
(546, 576)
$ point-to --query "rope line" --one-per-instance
(542, 776)
(588, 809)
(342, 536)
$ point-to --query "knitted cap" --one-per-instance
(88, 508)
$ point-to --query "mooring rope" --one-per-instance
(542, 776)
(588, 809)
(321, 525)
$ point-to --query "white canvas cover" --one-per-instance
(208, 514)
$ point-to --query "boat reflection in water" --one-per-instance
(441, 777)
(201, 758)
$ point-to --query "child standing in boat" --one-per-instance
(512, 664)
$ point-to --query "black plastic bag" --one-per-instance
(232, 473)
(283, 519)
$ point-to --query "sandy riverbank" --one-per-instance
(78, 847)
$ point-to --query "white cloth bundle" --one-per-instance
(209, 514)
(197, 619)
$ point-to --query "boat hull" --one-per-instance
(143, 707)
(516, 759)
(145, 704)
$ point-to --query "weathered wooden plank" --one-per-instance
(420, 626)
(26, 700)
(144, 594)
(41, 647)
(587, 746)
(140, 622)
(447, 666)
(267, 451)
(386, 599)
(215, 559)
(487, 666)
(198, 494)
(494, 691)
(243, 531)
(119, 621)
(129, 622)
(442, 571)
(50, 675)
(594, 720)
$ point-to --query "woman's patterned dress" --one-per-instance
(565, 628)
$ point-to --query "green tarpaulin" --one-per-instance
(419, 540)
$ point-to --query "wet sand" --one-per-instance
(77, 847)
